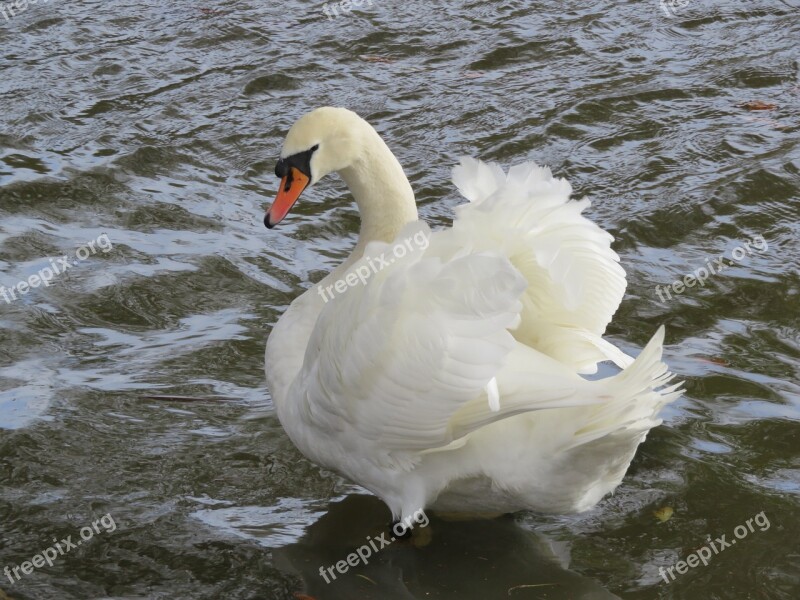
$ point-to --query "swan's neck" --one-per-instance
(386, 203)
(381, 191)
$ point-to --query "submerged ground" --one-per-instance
(156, 124)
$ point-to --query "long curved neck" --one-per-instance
(386, 203)
(381, 190)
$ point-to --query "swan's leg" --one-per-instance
(406, 535)
(419, 537)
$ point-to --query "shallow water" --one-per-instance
(158, 124)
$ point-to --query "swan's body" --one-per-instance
(450, 378)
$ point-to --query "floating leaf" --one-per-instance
(713, 361)
(757, 105)
(664, 513)
(375, 59)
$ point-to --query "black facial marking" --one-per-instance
(300, 161)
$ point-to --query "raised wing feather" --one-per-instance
(575, 283)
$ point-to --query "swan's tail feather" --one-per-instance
(625, 403)
(635, 396)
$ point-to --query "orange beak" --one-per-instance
(291, 187)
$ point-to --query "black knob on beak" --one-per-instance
(281, 169)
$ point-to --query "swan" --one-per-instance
(443, 370)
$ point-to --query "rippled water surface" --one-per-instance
(157, 124)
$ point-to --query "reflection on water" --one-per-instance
(20, 405)
(477, 559)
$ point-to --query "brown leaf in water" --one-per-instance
(300, 596)
(713, 361)
(757, 105)
(664, 513)
(375, 59)
(772, 123)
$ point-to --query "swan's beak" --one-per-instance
(292, 185)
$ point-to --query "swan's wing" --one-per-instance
(574, 281)
(397, 356)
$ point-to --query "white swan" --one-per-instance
(448, 377)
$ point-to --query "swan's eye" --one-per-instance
(281, 169)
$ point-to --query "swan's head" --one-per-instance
(320, 142)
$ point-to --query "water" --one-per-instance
(158, 124)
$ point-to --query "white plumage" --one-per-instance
(450, 377)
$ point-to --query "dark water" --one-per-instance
(157, 123)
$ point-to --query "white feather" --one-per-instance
(493, 392)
